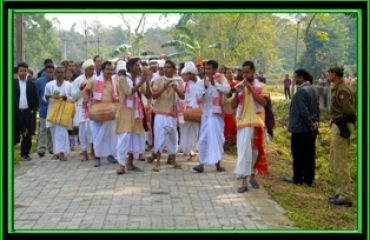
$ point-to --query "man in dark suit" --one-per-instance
(25, 104)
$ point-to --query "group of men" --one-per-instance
(146, 105)
(304, 120)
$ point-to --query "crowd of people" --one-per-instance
(120, 110)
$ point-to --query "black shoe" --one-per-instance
(333, 197)
(291, 180)
(308, 184)
(41, 154)
(111, 159)
(341, 202)
(26, 158)
(243, 189)
(198, 169)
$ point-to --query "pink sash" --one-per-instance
(99, 88)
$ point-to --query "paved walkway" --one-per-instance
(51, 194)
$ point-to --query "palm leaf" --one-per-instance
(180, 54)
(186, 31)
(177, 43)
(219, 45)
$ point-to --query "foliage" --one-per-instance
(40, 40)
(267, 39)
(306, 206)
(327, 43)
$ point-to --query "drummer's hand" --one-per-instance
(174, 86)
(167, 84)
(82, 86)
(64, 98)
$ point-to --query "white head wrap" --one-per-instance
(153, 62)
(189, 67)
(161, 63)
(121, 65)
(87, 63)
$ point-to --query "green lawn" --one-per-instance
(17, 149)
(307, 207)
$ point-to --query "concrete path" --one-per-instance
(51, 194)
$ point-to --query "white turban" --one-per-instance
(87, 63)
(161, 63)
(189, 67)
(121, 65)
(153, 62)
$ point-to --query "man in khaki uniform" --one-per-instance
(343, 115)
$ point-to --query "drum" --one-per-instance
(193, 114)
(103, 111)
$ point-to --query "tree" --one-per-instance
(327, 43)
(136, 36)
(185, 44)
(40, 40)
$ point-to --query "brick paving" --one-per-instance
(51, 194)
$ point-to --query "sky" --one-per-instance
(153, 20)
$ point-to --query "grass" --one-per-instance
(17, 149)
(307, 207)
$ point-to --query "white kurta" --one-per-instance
(84, 133)
(59, 134)
(211, 139)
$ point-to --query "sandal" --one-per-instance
(156, 169)
(190, 158)
(254, 184)
(135, 168)
(198, 169)
(177, 166)
(169, 161)
(62, 157)
(243, 189)
(220, 169)
(84, 157)
(150, 159)
(121, 170)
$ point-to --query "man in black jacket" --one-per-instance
(304, 120)
(25, 104)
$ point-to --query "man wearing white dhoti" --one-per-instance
(104, 93)
(211, 139)
(250, 122)
(58, 89)
(82, 116)
(189, 132)
(165, 91)
(130, 114)
(150, 135)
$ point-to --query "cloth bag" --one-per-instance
(61, 112)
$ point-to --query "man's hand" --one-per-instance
(249, 86)
(47, 97)
(174, 86)
(315, 126)
(82, 86)
(64, 98)
(330, 122)
(167, 84)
